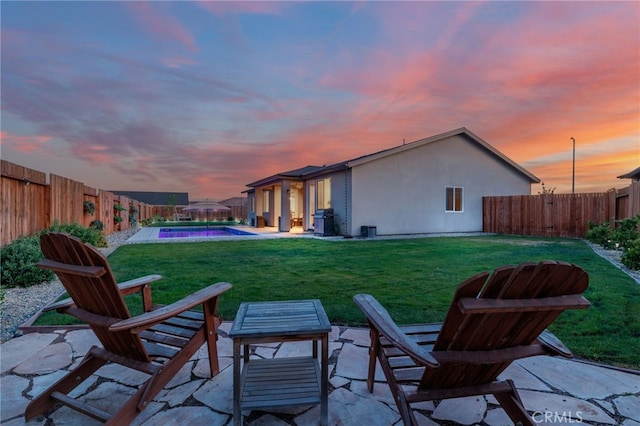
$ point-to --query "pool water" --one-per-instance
(215, 231)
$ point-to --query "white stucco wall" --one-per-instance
(404, 193)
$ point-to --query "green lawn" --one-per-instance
(414, 278)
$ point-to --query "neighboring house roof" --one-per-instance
(311, 171)
(233, 201)
(633, 174)
(157, 198)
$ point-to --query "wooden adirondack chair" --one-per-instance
(158, 342)
(493, 320)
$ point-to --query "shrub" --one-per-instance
(97, 225)
(599, 233)
(18, 265)
(89, 235)
(146, 222)
(631, 256)
(626, 232)
(18, 259)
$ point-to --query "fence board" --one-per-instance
(24, 205)
(67, 200)
(634, 199)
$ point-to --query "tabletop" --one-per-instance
(280, 318)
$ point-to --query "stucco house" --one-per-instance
(432, 185)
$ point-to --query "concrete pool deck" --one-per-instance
(150, 235)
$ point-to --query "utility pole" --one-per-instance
(573, 169)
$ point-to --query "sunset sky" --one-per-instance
(205, 97)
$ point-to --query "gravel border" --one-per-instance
(20, 304)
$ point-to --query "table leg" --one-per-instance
(246, 351)
(237, 413)
(324, 386)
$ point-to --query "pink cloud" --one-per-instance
(158, 21)
(223, 8)
(25, 143)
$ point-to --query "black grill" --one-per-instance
(323, 223)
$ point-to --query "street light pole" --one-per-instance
(573, 169)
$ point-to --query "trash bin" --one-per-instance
(323, 223)
(368, 231)
(260, 223)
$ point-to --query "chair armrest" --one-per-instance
(126, 287)
(146, 320)
(64, 268)
(380, 319)
(133, 286)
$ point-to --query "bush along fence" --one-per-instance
(624, 236)
(29, 204)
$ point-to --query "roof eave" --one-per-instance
(633, 174)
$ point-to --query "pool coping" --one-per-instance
(148, 235)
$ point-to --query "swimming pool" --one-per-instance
(212, 231)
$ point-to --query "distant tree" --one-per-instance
(546, 190)
(172, 202)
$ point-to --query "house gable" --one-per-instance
(405, 191)
(437, 138)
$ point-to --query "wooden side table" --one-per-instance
(266, 383)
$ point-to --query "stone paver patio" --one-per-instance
(553, 390)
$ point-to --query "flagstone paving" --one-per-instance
(553, 390)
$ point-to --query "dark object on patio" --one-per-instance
(492, 321)
(158, 342)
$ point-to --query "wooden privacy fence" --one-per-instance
(558, 215)
(29, 204)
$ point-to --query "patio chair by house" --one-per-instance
(157, 342)
(493, 320)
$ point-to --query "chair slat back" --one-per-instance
(99, 296)
(499, 329)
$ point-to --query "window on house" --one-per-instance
(323, 191)
(453, 199)
(265, 201)
(252, 205)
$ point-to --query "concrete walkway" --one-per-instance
(554, 390)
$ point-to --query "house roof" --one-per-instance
(311, 171)
(633, 174)
(300, 173)
(234, 201)
(156, 198)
